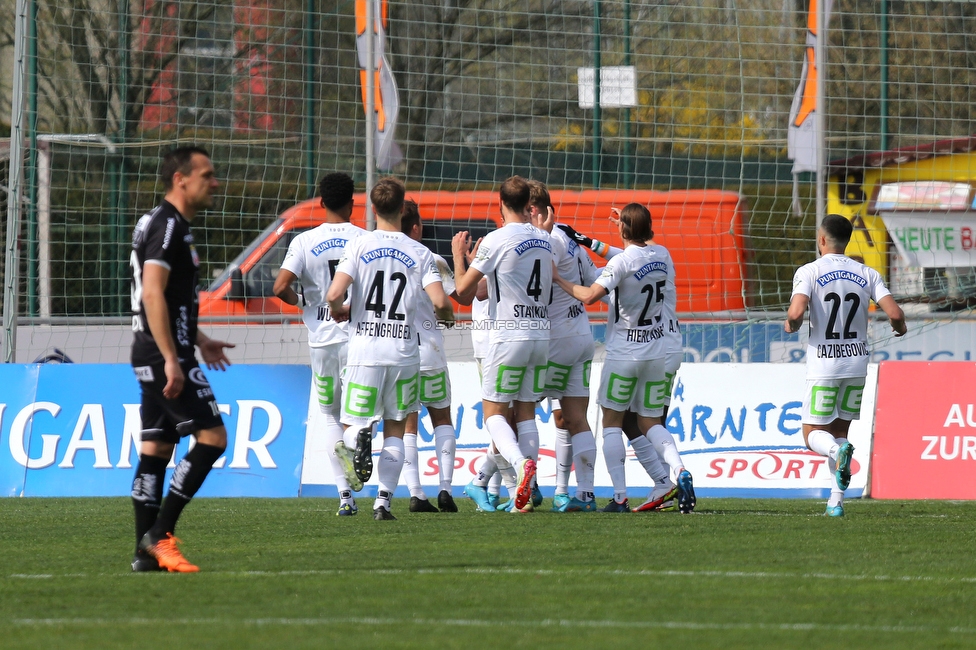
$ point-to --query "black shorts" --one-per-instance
(168, 420)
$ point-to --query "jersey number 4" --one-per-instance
(834, 300)
(374, 298)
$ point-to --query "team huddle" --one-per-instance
(530, 279)
(372, 302)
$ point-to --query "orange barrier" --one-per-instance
(703, 229)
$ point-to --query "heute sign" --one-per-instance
(925, 427)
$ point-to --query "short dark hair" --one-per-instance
(336, 190)
(178, 160)
(636, 221)
(514, 194)
(387, 196)
(837, 228)
(539, 195)
(411, 216)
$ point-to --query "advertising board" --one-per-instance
(71, 430)
(925, 434)
(737, 427)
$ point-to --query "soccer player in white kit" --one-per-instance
(384, 271)
(568, 376)
(649, 451)
(435, 388)
(311, 260)
(633, 377)
(517, 260)
(838, 291)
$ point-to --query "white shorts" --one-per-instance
(371, 393)
(327, 363)
(515, 370)
(827, 400)
(568, 370)
(435, 388)
(671, 364)
(638, 386)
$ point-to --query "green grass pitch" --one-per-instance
(288, 573)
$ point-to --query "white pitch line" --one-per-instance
(427, 622)
(747, 575)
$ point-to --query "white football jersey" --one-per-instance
(389, 272)
(672, 329)
(432, 354)
(517, 260)
(479, 334)
(637, 280)
(567, 315)
(840, 290)
(313, 257)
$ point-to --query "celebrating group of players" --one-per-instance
(530, 280)
(372, 302)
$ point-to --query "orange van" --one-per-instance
(703, 229)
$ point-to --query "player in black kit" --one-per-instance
(176, 398)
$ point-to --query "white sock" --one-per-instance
(411, 467)
(509, 478)
(564, 460)
(528, 439)
(584, 456)
(664, 445)
(615, 455)
(836, 497)
(649, 459)
(487, 471)
(504, 438)
(390, 464)
(495, 483)
(823, 443)
(333, 434)
(446, 445)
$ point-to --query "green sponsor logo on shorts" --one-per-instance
(654, 394)
(823, 399)
(557, 376)
(586, 374)
(360, 401)
(433, 388)
(621, 389)
(669, 377)
(851, 401)
(407, 392)
(509, 379)
(325, 387)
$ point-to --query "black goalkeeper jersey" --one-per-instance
(163, 237)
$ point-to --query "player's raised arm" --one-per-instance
(466, 279)
(586, 295)
(894, 314)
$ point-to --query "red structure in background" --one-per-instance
(263, 46)
(924, 431)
